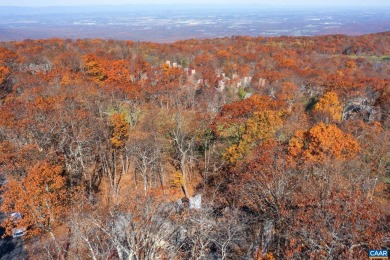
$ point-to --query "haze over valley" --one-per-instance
(167, 23)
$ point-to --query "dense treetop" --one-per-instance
(287, 140)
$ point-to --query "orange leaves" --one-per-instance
(120, 130)
(94, 67)
(268, 256)
(271, 75)
(171, 76)
(341, 212)
(7, 57)
(4, 72)
(322, 142)
(329, 106)
(203, 60)
(165, 67)
(284, 62)
(222, 54)
(245, 108)
(40, 197)
(246, 123)
(117, 71)
(351, 64)
(287, 91)
(297, 144)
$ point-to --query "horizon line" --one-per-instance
(205, 5)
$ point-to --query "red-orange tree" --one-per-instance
(40, 197)
(322, 142)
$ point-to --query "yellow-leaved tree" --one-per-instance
(94, 67)
(262, 126)
(120, 130)
(329, 107)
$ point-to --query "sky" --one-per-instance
(183, 2)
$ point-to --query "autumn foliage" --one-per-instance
(120, 130)
(323, 142)
(40, 197)
(329, 106)
(104, 144)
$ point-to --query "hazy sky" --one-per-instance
(238, 2)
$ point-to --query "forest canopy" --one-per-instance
(104, 144)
